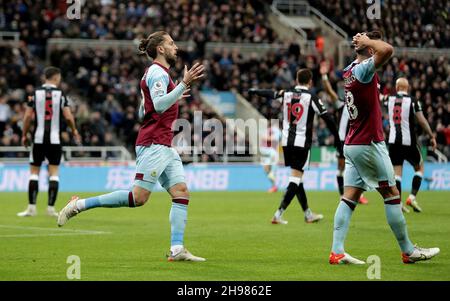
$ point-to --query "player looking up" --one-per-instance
(156, 160)
(299, 107)
(366, 156)
(403, 110)
(46, 105)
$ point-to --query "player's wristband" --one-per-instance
(324, 77)
(185, 85)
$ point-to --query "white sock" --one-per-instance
(176, 249)
(412, 197)
(279, 213)
(50, 207)
(308, 212)
(81, 204)
(31, 206)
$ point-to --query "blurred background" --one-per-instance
(243, 44)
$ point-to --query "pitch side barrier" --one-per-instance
(97, 177)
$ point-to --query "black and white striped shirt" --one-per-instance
(47, 102)
(344, 119)
(402, 109)
(299, 107)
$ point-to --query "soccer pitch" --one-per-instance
(231, 229)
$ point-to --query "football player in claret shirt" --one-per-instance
(342, 127)
(367, 163)
(156, 160)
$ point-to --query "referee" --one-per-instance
(45, 107)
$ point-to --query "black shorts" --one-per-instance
(296, 157)
(400, 153)
(341, 155)
(39, 152)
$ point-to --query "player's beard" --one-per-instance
(364, 51)
(171, 59)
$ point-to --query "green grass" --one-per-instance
(232, 230)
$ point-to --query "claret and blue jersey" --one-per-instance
(363, 103)
(159, 108)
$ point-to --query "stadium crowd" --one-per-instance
(419, 23)
(108, 80)
(198, 20)
(104, 83)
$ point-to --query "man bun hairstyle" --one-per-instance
(148, 45)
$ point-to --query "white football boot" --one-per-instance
(343, 259)
(278, 221)
(420, 254)
(413, 203)
(184, 255)
(51, 211)
(313, 218)
(30, 211)
(69, 211)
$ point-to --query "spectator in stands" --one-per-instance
(5, 113)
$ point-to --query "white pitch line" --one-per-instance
(49, 234)
(63, 232)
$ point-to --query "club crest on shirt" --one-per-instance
(158, 85)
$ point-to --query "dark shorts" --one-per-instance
(341, 155)
(40, 152)
(400, 153)
(296, 157)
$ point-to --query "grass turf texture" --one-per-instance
(231, 229)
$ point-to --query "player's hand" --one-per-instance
(186, 93)
(360, 40)
(25, 141)
(77, 137)
(324, 68)
(193, 74)
(433, 143)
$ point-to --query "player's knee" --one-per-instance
(180, 191)
(140, 200)
(140, 196)
(389, 192)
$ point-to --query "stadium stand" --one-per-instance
(200, 20)
(406, 23)
(104, 81)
